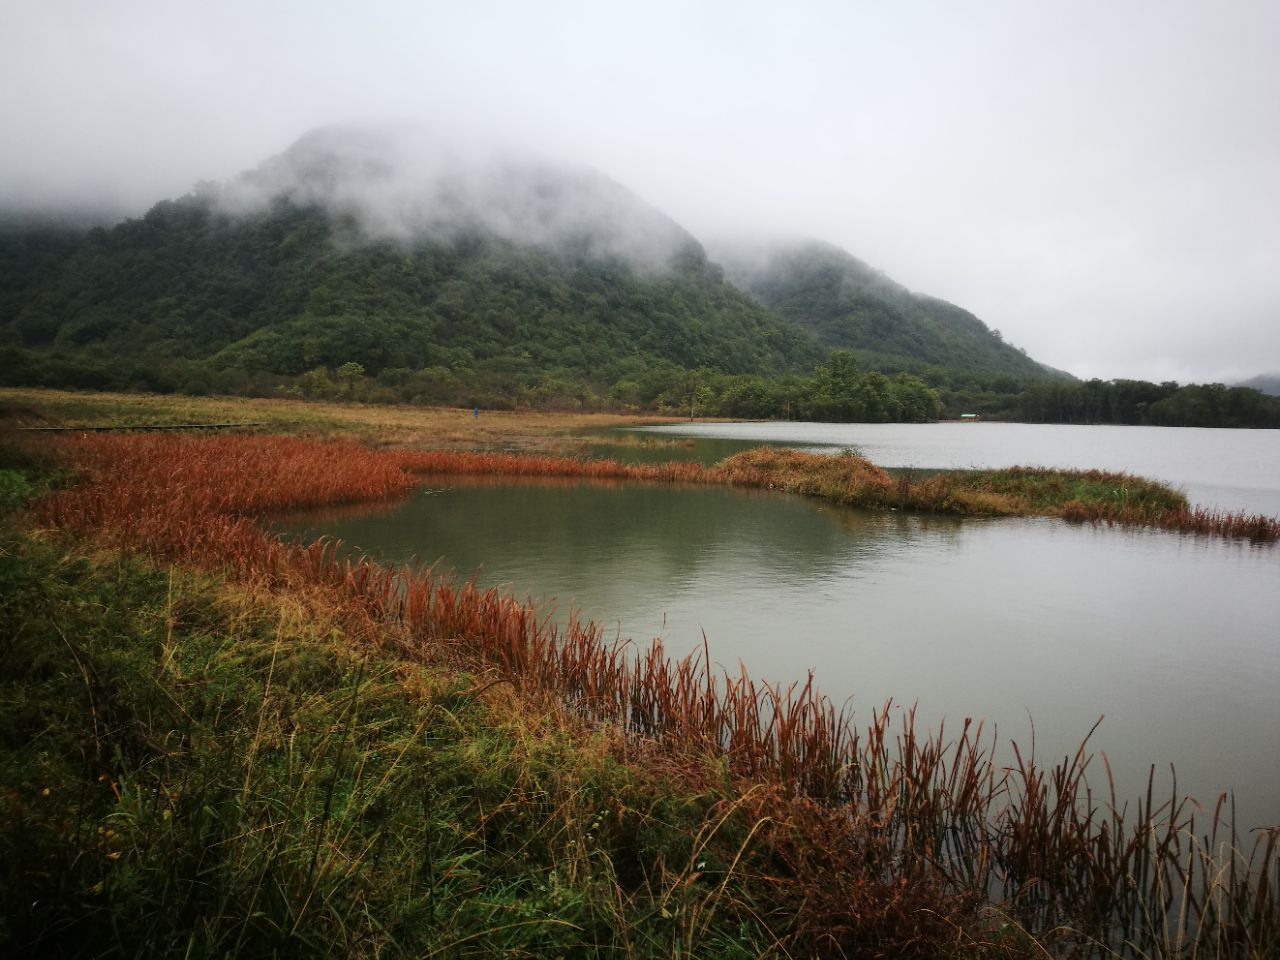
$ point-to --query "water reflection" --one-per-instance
(616, 550)
(1170, 637)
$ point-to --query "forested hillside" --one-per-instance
(188, 291)
(848, 305)
(447, 274)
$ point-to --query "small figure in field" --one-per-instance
(475, 411)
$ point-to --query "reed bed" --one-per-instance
(1237, 525)
(444, 463)
(1092, 496)
(861, 818)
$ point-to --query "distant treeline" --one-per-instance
(1131, 402)
(836, 391)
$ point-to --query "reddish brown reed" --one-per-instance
(855, 481)
(906, 811)
(511, 465)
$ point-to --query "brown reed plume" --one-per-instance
(885, 812)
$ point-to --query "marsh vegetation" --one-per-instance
(800, 831)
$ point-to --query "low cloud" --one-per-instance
(405, 181)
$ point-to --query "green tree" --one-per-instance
(316, 384)
(837, 392)
(350, 379)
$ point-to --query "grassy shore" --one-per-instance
(198, 768)
(1074, 495)
(216, 743)
(218, 746)
(437, 428)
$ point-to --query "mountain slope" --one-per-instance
(294, 288)
(848, 305)
(371, 248)
(1268, 383)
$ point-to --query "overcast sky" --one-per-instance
(1098, 180)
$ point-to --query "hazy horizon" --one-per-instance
(1097, 182)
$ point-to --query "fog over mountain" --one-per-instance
(403, 181)
(754, 263)
(1097, 180)
(449, 268)
(849, 305)
(1268, 383)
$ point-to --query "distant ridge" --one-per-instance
(848, 305)
(1268, 383)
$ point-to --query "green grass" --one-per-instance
(15, 490)
(188, 770)
(1044, 491)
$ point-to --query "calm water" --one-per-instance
(1172, 638)
(1229, 469)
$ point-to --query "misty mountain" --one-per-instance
(449, 270)
(1268, 383)
(848, 305)
(387, 249)
(408, 182)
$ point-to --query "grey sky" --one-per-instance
(1099, 180)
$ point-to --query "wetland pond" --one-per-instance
(1173, 638)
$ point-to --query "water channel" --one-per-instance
(1173, 638)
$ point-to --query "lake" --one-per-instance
(1171, 637)
(1227, 469)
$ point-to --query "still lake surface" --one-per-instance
(1226, 469)
(1174, 638)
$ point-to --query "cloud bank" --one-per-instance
(403, 181)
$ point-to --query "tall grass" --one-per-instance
(195, 768)
(884, 812)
